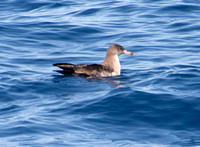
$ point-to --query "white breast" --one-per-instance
(117, 66)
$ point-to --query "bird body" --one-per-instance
(109, 67)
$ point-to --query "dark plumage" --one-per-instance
(92, 70)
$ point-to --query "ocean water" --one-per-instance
(154, 102)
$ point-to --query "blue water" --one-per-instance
(154, 102)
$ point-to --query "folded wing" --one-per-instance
(92, 70)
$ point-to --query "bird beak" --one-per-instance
(127, 52)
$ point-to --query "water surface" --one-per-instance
(154, 102)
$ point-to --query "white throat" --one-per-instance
(117, 66)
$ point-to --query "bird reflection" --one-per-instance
(114, 82)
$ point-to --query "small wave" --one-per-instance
(180, 8)
(179, 24)
(88, 12)
(191, 28)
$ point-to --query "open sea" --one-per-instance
(155, 102)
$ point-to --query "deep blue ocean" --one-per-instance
(155, 102)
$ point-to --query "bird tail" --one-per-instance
(67, 68)
(63, 65)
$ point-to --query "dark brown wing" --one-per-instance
(93, 70)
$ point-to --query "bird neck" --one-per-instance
(113, 63)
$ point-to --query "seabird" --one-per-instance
(109, 67)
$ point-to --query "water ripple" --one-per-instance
(155, 100)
